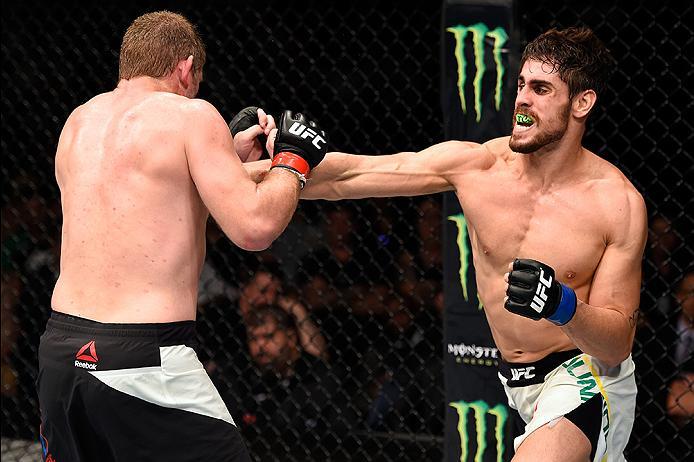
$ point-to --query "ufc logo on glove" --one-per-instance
(534, 292)
(538, 303)
(304, 132)
(293, 151)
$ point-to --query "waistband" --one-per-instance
(165, 333)
(524, 374)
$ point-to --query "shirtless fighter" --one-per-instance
(140, 169)
(557, 235)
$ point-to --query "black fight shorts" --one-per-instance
(129, 392)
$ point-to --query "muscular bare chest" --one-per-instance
(509, 218)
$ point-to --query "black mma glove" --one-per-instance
(533, 292)
(300, 145)
(246, 118)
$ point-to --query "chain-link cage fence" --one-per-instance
(358, 283)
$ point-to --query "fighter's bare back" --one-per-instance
(133, 222)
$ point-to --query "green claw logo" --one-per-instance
(465, 253)
(480, 410)
(479, 32)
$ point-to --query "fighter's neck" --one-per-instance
(552, 164)
(146, 84)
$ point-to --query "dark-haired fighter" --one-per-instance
(557, 234)
(140, 170)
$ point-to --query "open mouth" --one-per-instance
(524, 120)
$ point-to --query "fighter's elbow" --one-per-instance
(253, 234)
(616, 358)
(258, 236)
(620, 344)
(612, 362)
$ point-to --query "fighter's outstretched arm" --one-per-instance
(351, 176)
(432, 170)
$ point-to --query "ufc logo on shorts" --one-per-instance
(522, 373)
(304, 132)
(538, 301)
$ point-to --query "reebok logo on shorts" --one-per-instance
(86, 357)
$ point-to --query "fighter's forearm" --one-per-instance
(327, 179)
(351, 176)
(602, 332)
(270, 209)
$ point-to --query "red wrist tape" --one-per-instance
(293, 161)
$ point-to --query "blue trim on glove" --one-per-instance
(567, 307)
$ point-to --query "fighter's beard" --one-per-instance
(536, 143)
(543, 139)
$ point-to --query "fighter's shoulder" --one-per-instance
(198, 106)
(92, 104)
(499, 148)
(619, 197)
(201, 110)
(609, 181)
(78, 114)
(468, 152)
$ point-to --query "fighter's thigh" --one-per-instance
(560, 442)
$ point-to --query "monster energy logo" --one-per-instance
(479, 32)
(480, 411)
(464, 249)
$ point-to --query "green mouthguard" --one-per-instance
(524, 119)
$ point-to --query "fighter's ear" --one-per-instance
(583, 103)
(185, 67)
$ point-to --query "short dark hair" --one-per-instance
(577, 54)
